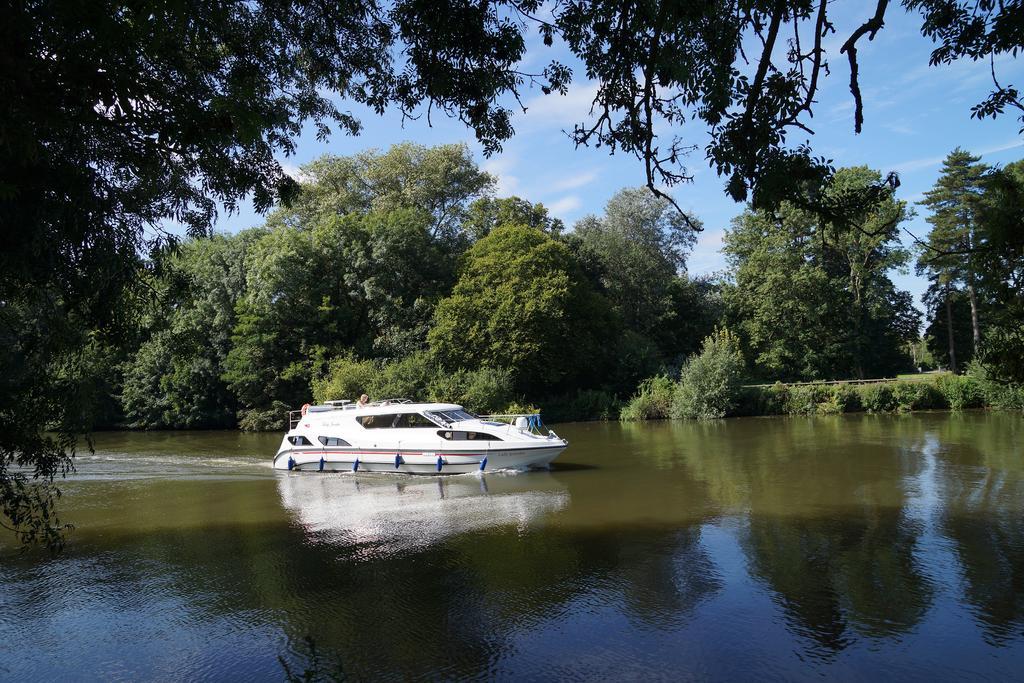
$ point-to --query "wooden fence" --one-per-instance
(921, 377)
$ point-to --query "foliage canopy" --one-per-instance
(814, 301)
(522, 303)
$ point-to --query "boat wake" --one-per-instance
(105, 465)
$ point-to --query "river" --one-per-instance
(854, 547)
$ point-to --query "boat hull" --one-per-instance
(416, 462)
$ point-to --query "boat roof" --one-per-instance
(383, 407)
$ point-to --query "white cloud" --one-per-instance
(574, 181)
(711, 239)
(561, 110)
(928, 162)
(499, 167)
(917, 164)
(961, 74)
(293, 171)
(900, 127)
(565, 205)
(1001, 148)
(706, 257)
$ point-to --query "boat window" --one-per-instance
(454, 415)
(300, 441)
(333, 441)
(407, 420)
(395, 421)
(467, 436)
(376, 421)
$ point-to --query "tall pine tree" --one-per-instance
(949, 258)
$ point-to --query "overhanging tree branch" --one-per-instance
(870, 27)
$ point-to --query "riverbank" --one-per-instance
(655, 397)
(658, 397)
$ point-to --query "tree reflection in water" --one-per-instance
(834, 576)
(982, 487)
(827, 529)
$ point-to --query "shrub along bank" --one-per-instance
(709, 387)
(655, 397)
(952, 392)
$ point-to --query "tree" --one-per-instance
(174, 378)
(1000, 263)
(862, 250)
(355, 283)
(636, 252)
(117, 117)
(921, 354)
(949, 313)
(948, 257)
(522, 304)
(293, 305)
(782, 303)
(439, 181)
(695, 311)
(813, 300)
(418, 204)
(418, 377)
(487, 213)
(242, 324)
(978, 33)
(660, 66)
(407, 271)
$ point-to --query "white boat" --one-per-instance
(416, 438)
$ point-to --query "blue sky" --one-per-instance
(914, 115)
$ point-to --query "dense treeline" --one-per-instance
(813, 301)
(400, 274)
(973, 261)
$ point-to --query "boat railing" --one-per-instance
(533, 421)
(295, 416)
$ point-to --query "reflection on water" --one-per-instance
(837, 579)
(385, 514)
(858, 547)
(983, 519)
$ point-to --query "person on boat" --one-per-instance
(364, 401)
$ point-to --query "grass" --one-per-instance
(922, 376)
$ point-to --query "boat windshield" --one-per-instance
(450, 416)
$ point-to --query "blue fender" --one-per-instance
(291, 462)
(355, 465)
(440, 463)
(483, 463)
(398, 460)
(321, 463)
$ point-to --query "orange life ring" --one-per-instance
(305, 407)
